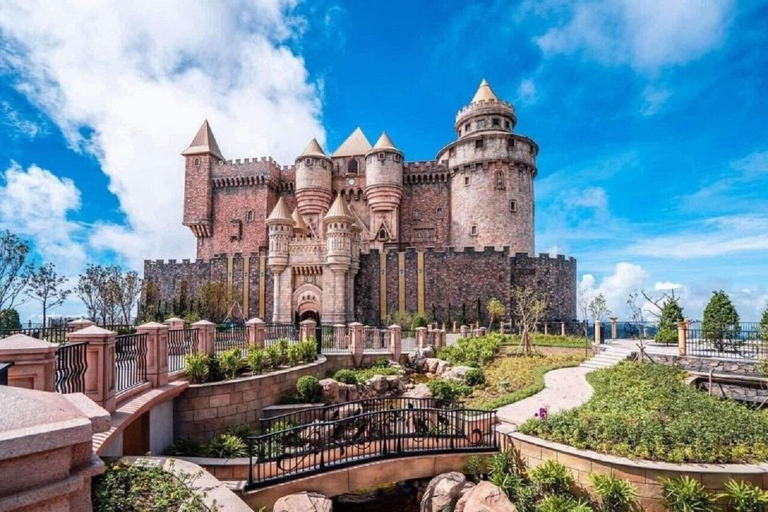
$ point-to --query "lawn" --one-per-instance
(524, 376)
(647, 411)
(550, 340)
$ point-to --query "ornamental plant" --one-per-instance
(197, 367)
(230, 362)
(615, 494)
(685, 494)
(764, 325)
(345, 376)
(309, 389)
(257, 360)
(474, 377)
(745, 497)
(447, 391)
(551, 477)
(226, 446)
(671, 314)
(721, 321)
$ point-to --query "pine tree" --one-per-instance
(671, 314)
(721, 320)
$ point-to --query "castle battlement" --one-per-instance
(484, 104)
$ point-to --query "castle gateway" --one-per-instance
(362, 234)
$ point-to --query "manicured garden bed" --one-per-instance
(647, 411)
(550, 340)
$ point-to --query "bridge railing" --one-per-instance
(392, 433)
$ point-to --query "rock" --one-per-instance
(347, 411)
(418, 354)
(394, 382)
(317, 433)
(303, 502)
(456, 372)
(443, 491)
(484, 497)
(378, 383)
(442, 367)
(347, 392)
(330, 390)
(418, 391)
(431, 364)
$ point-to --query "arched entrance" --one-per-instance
(306, 301)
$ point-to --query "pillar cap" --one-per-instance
(355, 324)
(201, 323)
(174, 319)
(152, 325)
(395, 326)
(27, 344)
(92, 331)
(307, 321)
(421, 328)
(80, 321)
(255, 321)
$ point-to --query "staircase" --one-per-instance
(608, 356)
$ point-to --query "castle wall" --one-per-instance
(553, 277)
(425, 214)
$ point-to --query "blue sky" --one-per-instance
(650, 115)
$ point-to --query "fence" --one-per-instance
(407, 340)
(71, 365)
(180, 343)
(326, 445)
(332, 339)
(637, 330)
(376, 338)
(230, 336)
(276, 332)
(56, 334)
(4, 373)
(130, 361)
(744, 341)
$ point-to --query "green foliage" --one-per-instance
(685, 494)
(230, 362)
(549, 340)
(447, 390)
(475, 467)
(366, 373)
(274, 356)
(562, 503)
(346, 376)
(745, 497)
(9, 319)
(495, 309)
(646, 411)
(381, 362)
(473, 351)
(616, 494)
(186, 447)
(197, 367)
(257, 360)
(551, 477)
(242, 431)
(764, 325)
(126, 487)
(191, 317)
(671, 314)
(720, 317)
(226, 446)
(309, 389)
(295, 354)
(419, 321)
(308, 350)
(474, 377)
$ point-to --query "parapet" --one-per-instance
(485, 105)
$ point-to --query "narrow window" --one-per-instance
(382, 234)
(513, 205)
(473, 230)
(197, 162)
(397, 157)
(496, 121)
(249, 216)
(417, 214)
(307, 161)
(439, 213)
(382, 156)
(506, 124)
(466, 181)
(466, 127)
(511, 143)
(500, 180)
(479, 144)
(452, 152)
(352, 166)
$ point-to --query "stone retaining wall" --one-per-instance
(645, 475)
(707, 364)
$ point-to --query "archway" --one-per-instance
(306, 300)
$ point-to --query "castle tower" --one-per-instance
(338, 261)
(384, 190)
(300, 229)
(313, 185)
(492, 171)
(203, 152)
(280, 226)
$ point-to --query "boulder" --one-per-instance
(456, 372)
(347, 392)
(419, 354)
(378, 383)
(484, 497)
(395, 382)
(317, 433)
(303, 502)
(442, 367)
(347, 411)
(431, 364)
(418, 391)
(330, 391)
(444, 491)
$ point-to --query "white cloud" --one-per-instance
(627, 278)
(654, 98)
(19, 125)
(526, 92)
(663, 286)
(131, 82)
(644, 34)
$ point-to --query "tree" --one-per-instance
(764, 325)
(636, 311)
(14, 268)
(583, 308)
(47, 287)
(721, 321)
(214, 301)
(529, 307)
(671, 314)
(109, 294)
(598, 308)
(9, 319)
(495, 310)
(128, 289)
(88, 289)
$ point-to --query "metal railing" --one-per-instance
(744, 340)
(407, 341)
(376, 338)
(229, 337)
(332, 339)
(632, 330)
(392, 433)
(276, 332)
(130, 361)
(57, 334)
(4, 373)
(71, 365)
(181, 342)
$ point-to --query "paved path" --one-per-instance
(565, 388)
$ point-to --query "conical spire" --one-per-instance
(339, 210)
(299, 226)
(356, 144)
(280, 213)
(484, 93)
(313, 149)
(384, 142)
(204, 143)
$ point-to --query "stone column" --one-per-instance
(100, 356)
(443, 338)
(598, 331)
(395, 342)
(80, 323)
(464, 331)
(256, 332)
(157, 352)
(206, 336)
(614, 327)
(34, 362)
(682, 337)
(174, 323)
(562, 328)
(308, 329)
(339, 331)
(455, 328)
(357, 342)
(421, 337)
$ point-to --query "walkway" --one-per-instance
(565, 388)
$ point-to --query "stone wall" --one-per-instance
(554, 277)
(426, 212)
(707, 364)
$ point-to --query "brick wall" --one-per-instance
(553, 277)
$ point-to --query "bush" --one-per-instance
(309, 389)
(197, 367)
(243, 431)
(345, 376)
(381, 362)
(366, 373)
(447, 391)
(309, 350)
(551, 477)
(764, 325)
(720, 318)
(185, 447)
(295, 355)
(685, 494)
(616, 494)
(419, 321)
(671, 314)
(560, 503)
(230, 362)
(9, 319)
(226, 446)
(473, 351)
(745, 497)
(274, 356)
(257, 360)
(474, 377)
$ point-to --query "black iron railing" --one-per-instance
(332, 339)
(4, 373)
(744, 340)
(407, 340)
(71, 365)
(181, 342)
(376, 338)
(276, 332)
(633, 330)
(130, 361)
(230, 336)
(327, 445)
(57, 334)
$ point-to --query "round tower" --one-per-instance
(280, 226)
(492, 171)
(338, 257)
(313, 184)
(384, 189)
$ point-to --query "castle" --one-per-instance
(359, 234)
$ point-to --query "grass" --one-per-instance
(524, 376)
(646, 411)
(550, 340)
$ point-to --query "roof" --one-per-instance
(356, 144)
(339, 208)
(384, 142)
(204, 143)
(484, 93)
(280, 212)
(313, 149)
(298, 222)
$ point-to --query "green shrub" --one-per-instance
(257, 360)
(185, 447)
(309, 389)
(720, 318)
(230, 362)
(197, 367)
(309, 350)
(764, 325)
(551, 477)
(295, 355)
(475, 467)
(671, 314)
(419, 321)
(274, 356)
(9, 319)
(243, 431)
(745, 497)
(685, 494)
(616, 494)
(366, 373)
(346, 376)
(473, 351)
(381, 362)
(447, 391)
(226, 446)
(562, 503)
(474, 377)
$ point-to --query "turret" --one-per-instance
(486, 112)
(280, 226)
(300, 230)
(338, 235)
(313, 183)
(384, 189)
(203, 152)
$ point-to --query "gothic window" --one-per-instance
(473, 230)
(352, 166)
(466, 181)
(249, 216)
(382, 234)
(197, 162)
(417, 214)
(513, 205)
(500, 185)
(439, 213)
(479, 144)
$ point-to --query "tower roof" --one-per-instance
(280, 212)
(298, 222)
(339, 209)
(384, 142)
(484, 93)
(356, 144)
(204, 143)
(313, 149)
